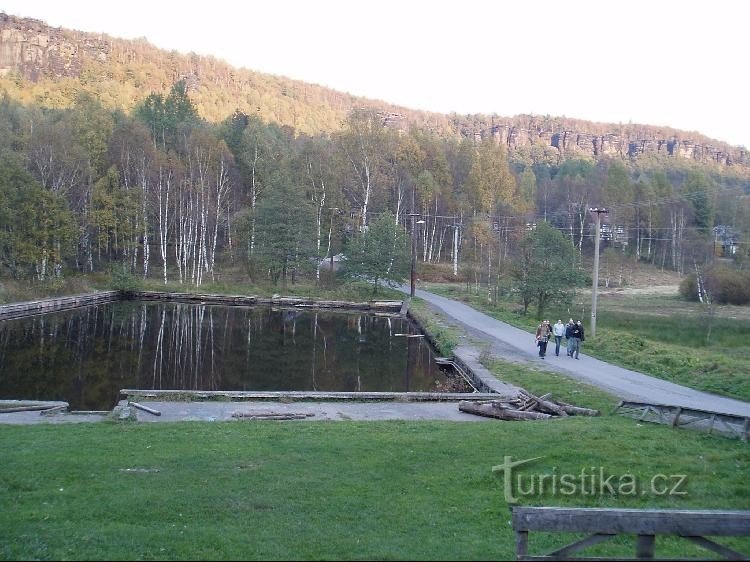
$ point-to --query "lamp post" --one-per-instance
(595, 282)
(334, 210)
(412, 216)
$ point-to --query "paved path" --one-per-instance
(627, 384)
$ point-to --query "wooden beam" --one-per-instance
(634, 521)
(522, 544)
(719, 549)
(645, 547)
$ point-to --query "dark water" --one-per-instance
(87, 355)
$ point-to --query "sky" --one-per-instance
(677, 63)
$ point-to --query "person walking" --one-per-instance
(559, 331)
(569, 336)
(577, 336)
(543, 332)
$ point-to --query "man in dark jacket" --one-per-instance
(569, 336)
(577, 336)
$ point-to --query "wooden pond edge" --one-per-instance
(57, 304)
(300, 395)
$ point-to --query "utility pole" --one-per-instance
(595, 283)
(455, 250)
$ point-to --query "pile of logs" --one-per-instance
(525, 406)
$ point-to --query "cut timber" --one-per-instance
(496, 410)
(577, 410)
(144, 408)
(545, 405)
(32, 407)
(272, 415)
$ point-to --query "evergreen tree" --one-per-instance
(379, 253)
(285, 230)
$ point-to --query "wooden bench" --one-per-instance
(645, 524)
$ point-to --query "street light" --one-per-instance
(334, 210)
(595, 283)
(412, 216)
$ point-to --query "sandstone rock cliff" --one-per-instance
(37, 52)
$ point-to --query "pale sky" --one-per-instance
(677, 63)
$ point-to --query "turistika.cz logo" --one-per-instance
(590, 481)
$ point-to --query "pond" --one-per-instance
(85, 356)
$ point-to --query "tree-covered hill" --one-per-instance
(114, 154)
(50, 66)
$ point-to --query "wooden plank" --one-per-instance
(719, 549)
(645, 547)
(310, 395)
(29, 408)
(634, 521)
(522, 544)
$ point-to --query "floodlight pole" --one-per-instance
(595, 282)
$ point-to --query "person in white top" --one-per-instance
(559, 331)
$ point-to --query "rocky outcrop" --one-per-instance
(37, 52)
(632, 142)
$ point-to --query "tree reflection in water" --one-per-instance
(86, 356)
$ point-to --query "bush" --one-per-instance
(727, 286)
(689, 288)
(122, 279)
(730, 286)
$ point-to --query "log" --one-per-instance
(494, 410)
(144, 408)
(271, 415)
(29, 408)
(577, 410)
(548, 406)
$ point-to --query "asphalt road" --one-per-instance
(513, 343)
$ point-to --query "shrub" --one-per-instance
(689, 288)
(121, 278)
(727, 286)
(730, 286)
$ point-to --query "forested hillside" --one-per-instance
(181, 168)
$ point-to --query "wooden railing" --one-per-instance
(645, 524)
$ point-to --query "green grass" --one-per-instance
(443, 336)
(346, 291)
(659, 336)
(560, 386)
(327, 490)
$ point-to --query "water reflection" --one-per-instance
(85, 356)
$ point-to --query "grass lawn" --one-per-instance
(345, 490)
(328, 490)
(661, 336)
